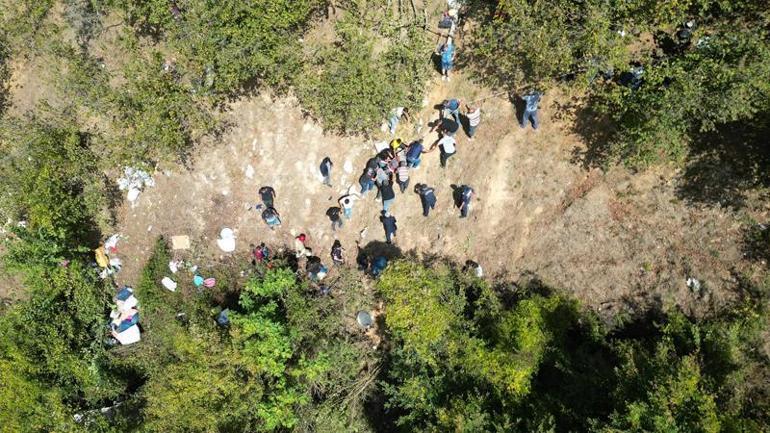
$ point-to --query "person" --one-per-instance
(367, 179)
(338, 253)
(388, 196)
(531, 99)
(260, 253)
(451, 106)
(413, 153)
(473, 114)
(448, 127)
(427, 197)
(267, 193)
(334, 215)
(384, 157)
(362, 259)
(272, 217)
(316, 270)
(466, 194)
(394, 117)
(389, 224)
(382, 176)
(326, 171)
(402, 176)
(378, 265)
(470, 265)
(346, 203)
(447, 58)
(447, 146)
(395, 145)
(301, 250)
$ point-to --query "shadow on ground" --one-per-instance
(595, 128)
(727, 164)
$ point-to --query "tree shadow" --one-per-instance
(595, 128)
(725, 165)
(519, 106)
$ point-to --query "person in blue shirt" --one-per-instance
(378, 265)
(447, 58)
(413, 153)
(531, 99)
(452, 106)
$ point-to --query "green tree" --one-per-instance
(352, 84)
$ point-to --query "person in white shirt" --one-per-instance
(346, 203)
(473, 114)
(447, 146)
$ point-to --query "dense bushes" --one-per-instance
(224, 46)
(688, 79)
(455, 357)
(545, 364)
(352, 84)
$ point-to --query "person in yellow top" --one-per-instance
(396, 144)
(101, 257)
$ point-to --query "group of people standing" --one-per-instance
(392, 165)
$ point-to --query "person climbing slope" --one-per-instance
(267, 194)
(531, 100)
(338, 253)
(300, 249)
(389, 224)
(326, 170)
(473, 115)
(402, 176)
(271, 217)
(447, 58)
(427, 197)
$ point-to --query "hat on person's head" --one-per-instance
(302, 237)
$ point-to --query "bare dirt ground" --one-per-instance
(613, 239)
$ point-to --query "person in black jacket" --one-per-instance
(427, 197)
(389, 224)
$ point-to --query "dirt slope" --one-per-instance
(612, 239)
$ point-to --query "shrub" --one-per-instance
(50, 179)
(352, 84)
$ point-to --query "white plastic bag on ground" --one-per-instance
(169, 283)
(226, 241)
(129, 336)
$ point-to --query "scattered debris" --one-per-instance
(125, 317)
(173, 266)
(181, 242)
(134, 181)
(364, 319)
(105, 258)
(249, 172)
(226, 241)
(169, 283)
(693, 284)
(222, 318)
